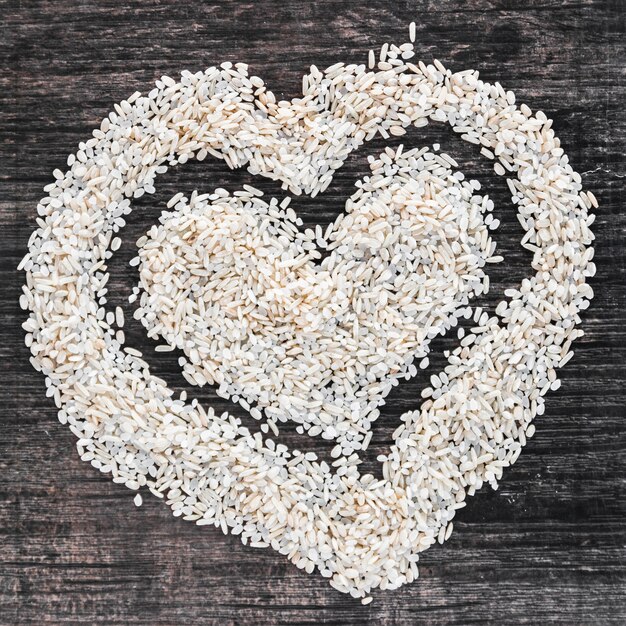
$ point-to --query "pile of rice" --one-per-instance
(414, 230)
(231, 281)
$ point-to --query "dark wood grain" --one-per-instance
(547, 547)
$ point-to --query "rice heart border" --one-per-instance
(360, 533)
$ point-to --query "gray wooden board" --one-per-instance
(548, 546)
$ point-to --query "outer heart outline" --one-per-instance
(407, 511)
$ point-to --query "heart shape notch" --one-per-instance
(232, 282)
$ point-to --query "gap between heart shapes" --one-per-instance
(232, 282)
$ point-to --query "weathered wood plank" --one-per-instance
(548, 546)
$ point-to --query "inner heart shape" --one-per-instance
(234, 284)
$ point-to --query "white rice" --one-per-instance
(359, 532)
(231, 282)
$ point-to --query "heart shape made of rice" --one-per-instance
(232, 282)
(359, 532)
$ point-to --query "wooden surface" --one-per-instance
(547, 547)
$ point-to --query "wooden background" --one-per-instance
(547, 547)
